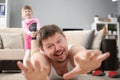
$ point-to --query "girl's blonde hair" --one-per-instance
(25, 8)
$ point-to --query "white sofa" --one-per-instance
(11, 48)
(12, 39)
(11, 43)
(86, 38)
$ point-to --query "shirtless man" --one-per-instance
(53, 59)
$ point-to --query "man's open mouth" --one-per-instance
(59, 53)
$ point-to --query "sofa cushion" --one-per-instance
(12, 41)
(11, 54)
(99, 36)
(83, 38)
(13, 31)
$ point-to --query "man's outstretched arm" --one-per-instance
(37, 67)
(85, 61)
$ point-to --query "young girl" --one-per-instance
(28, 20)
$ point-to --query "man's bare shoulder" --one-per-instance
(75, 49)
(39, 56)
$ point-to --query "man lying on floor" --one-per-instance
(53, 59)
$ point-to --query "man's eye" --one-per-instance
(49, 46)
(59, 41)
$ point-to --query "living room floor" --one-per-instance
(19, 76)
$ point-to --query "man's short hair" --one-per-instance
(48, 31)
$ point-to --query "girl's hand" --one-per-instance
(86, 61)
(33, 72)
(33, 34)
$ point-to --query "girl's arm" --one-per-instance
(25, 28)
(38, 24)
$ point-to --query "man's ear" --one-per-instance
(41, 48)
(64, 36)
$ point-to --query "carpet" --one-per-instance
(19, 76)
(12, 76)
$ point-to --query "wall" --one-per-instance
(15, 13)
(118, 3)
(65, 13)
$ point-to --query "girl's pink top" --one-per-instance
(25, 26)
(27, 23)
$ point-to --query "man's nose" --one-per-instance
(57, 47)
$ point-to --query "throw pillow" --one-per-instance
(1, 46)
(12, 41)
(99, 36)
(88, 39)
(83, 38)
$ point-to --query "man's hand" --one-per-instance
(33, 72)
(86, 61)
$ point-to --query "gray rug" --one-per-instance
(8, 76)
(19, 76)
